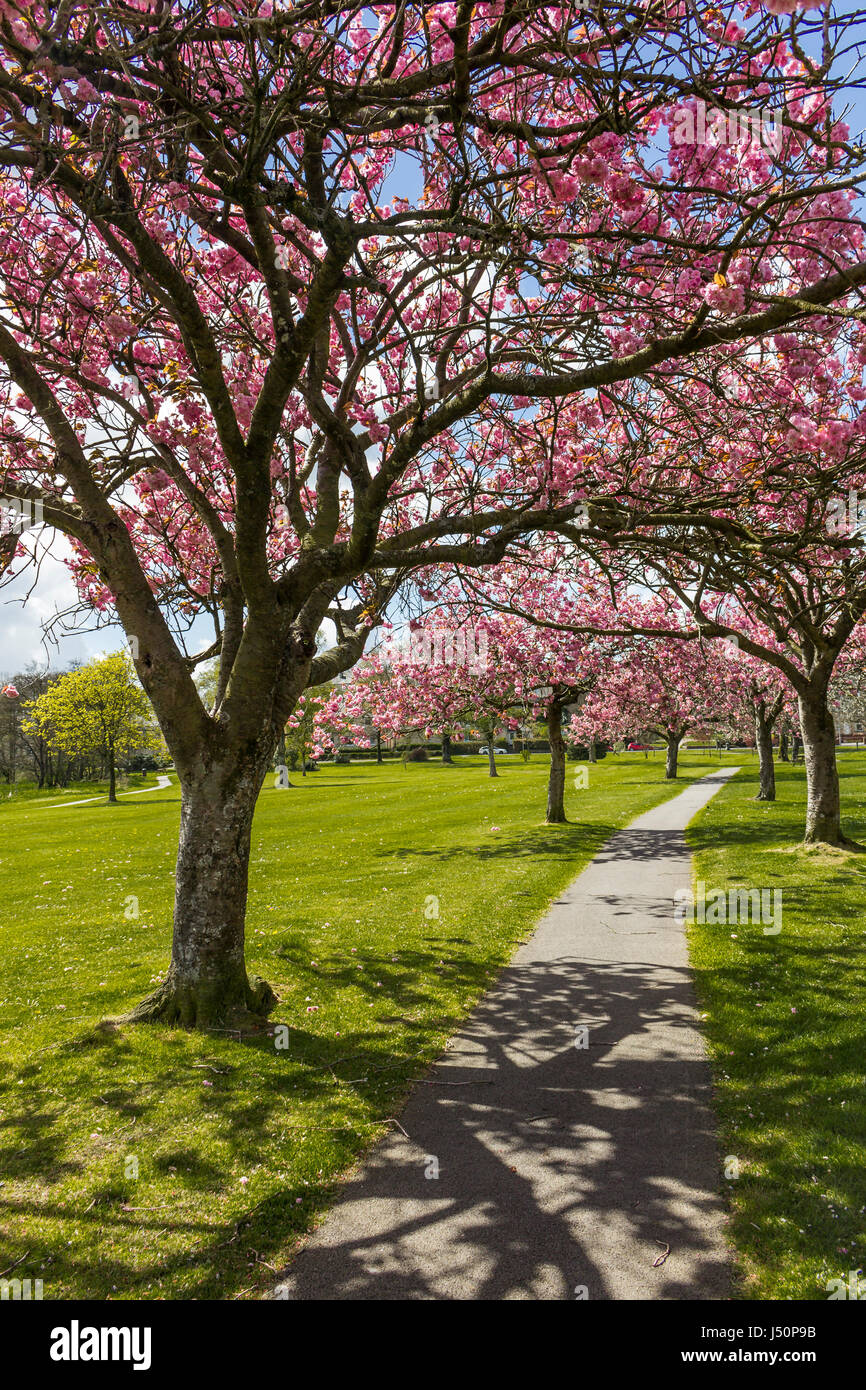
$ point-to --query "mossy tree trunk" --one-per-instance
(207, 983)
(823, 806)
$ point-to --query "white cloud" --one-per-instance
(30, 601)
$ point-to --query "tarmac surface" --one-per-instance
(571, 1164)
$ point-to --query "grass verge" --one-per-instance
(786, 1031)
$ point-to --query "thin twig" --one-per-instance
(392, 1121)
(663, 1256)
(455, 1083)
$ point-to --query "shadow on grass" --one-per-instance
(798, 1133)
(358, 1081)
(568, 841)
(545, 1093)
(342, 1086)
(773, 828)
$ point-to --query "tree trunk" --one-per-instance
(591, 750)
(378, 746)
(764, 744)
(673, 745)
(446, 749)
(823, 809)
(207, 984)
(783, 746)
(556, 781)
(491, 760)
(112, 778)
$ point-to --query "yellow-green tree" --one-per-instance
(99, 708)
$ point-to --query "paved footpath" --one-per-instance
(161, 784)
(561, 1169)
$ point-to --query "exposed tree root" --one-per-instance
(240, 1003)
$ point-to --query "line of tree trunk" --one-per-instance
(823, 803)
(556, 781)
(112, 776)
(673, 738)
(765, 719)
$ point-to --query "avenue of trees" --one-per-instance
(305, 308)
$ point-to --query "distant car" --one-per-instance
(638, 747)
(485, 749)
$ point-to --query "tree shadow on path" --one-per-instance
(559, 1167)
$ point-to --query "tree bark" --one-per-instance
(446, 749)
(556, 781)
(764, 744)
(591, 750)
(823, 808)
(378, 746)
(112, 777)
(491, 760)
(673, 746)
(783, 746)
(207, 984)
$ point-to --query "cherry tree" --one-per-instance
(446, 674)
(670, 688)
(383, 696)
(799, 581)
(294, 299)
(768, 700)
(746, 487)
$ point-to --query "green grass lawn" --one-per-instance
(237, 1146)
(28, 791)
(786, 1027)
